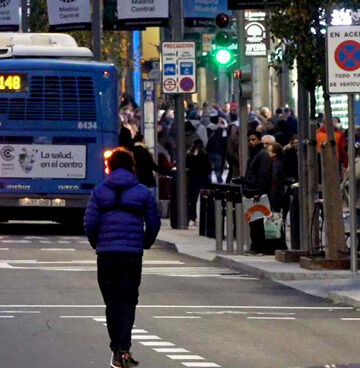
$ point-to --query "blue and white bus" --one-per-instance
(58, 115)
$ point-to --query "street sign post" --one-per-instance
(343, 76)
(255, 33)
(178, 67)
(343, 59)
(148, 98)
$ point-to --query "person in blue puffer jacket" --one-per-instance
(121, 220)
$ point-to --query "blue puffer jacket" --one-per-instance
(116, 213)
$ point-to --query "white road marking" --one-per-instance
(350, 319)
(91, 317)
(177, 317)
(218, 312)
(16, 241)
(185, 357)
(99, 319)
(156, 343)
(163, 262)
(4, 317)
(138, 331)
(4, 248)
(63, 242)
(202, 364)
(34, 237)
(163, 306)
(146, 337)
(171, 350)
(21, 312)
(45, 241)
(58, 249)
(71, 237)
(272, 318)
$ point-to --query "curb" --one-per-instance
(343, 299)
(276, 276)
(165, 244)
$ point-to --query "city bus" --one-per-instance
(58, 116)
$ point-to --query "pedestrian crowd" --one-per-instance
(212, 153)
(122, 218)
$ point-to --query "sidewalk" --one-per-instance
(338, 286)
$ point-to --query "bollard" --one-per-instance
(219, 220)
(239, 224)
(203, 212)
(229, 223)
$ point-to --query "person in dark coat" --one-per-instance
(277, 194)
(121, 220)
(199, 171)
(290, 155)
(283, 135)
(257, 182)
(145, 165)
(217, 145)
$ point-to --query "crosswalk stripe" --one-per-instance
(146, 337)
(201, 364)
(185, 357)
(171, 350)
(138, 331)
(156, 343)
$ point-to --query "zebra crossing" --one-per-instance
(170, 349)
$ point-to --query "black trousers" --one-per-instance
(257, 235)
(119, 277)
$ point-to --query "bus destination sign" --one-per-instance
(13, 82)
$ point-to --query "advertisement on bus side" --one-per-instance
(34, 161)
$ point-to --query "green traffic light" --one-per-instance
(223, 56)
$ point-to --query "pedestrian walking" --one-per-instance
(121, 220)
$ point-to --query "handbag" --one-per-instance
(273, 226)
(256, 210)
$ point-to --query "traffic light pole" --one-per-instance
(177, 34)
(25, 12)
(243, 113)
(96, 28)
(243, 118)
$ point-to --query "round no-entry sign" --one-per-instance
(170, 84)
(347, 55)
(187, 84)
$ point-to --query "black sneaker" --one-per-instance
(123, 359)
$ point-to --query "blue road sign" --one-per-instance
(169, 69)
(186, 68)
(347, 55)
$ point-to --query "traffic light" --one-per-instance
(223, 52)
(243, 75)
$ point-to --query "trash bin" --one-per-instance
(295, 217)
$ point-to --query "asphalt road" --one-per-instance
(191, 313)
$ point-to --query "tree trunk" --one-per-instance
(312, 168)
(334, 224)
(312, 104)
(303, 117)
